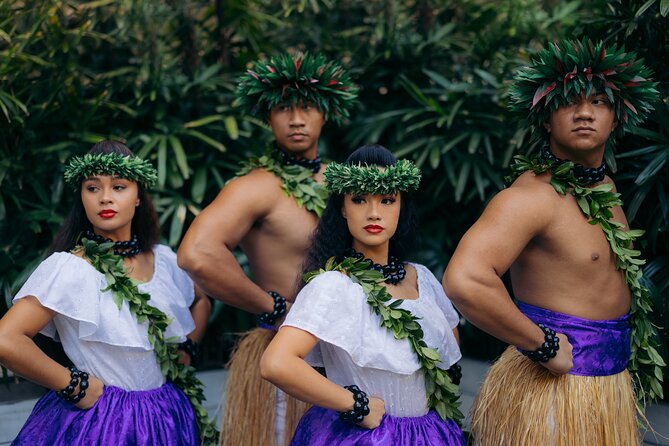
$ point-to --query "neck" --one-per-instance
(309, 154)
(377, 254)
(591, 158)
(585, 176)
(118, 235)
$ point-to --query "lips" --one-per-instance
(584, 129)
(373, 229)
(107, 213)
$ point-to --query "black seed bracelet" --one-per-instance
(455, 372)
(191, 347)
(548, 349)
(278, 312)
(77, 377)
(360, 406)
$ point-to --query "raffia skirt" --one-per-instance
(256, 412)
(522, 404)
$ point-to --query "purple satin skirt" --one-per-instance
(322, 427)
(600, 348)
(162, 416)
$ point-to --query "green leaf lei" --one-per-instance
(125, 289)
(646, 364)
(442, 394)
(295, 180)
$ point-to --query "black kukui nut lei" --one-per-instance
(360, 406)
(288, 159)
(393, 273)
(548, 349)
(586, 176)
(125, 248)
(279, 311)
(455, 372)
(77, 377)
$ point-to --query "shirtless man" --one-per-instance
(269, 211)
(563, 270)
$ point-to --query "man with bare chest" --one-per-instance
(561, 232)
(269, 210)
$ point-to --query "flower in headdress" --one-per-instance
(294, 78)
(571, 67)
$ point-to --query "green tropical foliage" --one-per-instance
(433, 77)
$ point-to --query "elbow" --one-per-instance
(462, 289)
(186, 260)
(271, 367)
(7, 343)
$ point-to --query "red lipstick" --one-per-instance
(373, 229)
(107, 213)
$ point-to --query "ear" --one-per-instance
(343, 212)
(137, 202)
(547, 126)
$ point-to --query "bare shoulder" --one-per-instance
(255, 191)
(528, 193)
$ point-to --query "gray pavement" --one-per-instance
(14, 414)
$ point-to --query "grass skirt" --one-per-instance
(322, 427)
(162, 416)
(251, 413)
(522, 404)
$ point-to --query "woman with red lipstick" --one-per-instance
(113, 297)
(382, 327)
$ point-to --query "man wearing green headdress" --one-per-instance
(269, 210)
(581, 344)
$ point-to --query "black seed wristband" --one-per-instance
(360, 406)
(77, 377)
(191, 347)
(278, 312)
(455, 372)
(548, 349)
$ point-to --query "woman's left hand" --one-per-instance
(93, 393)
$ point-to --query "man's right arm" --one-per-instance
(206, 250)
(473, 281)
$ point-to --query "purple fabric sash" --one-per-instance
(322, 427)
(162, 416)
(600, 348)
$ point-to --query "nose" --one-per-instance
(583, 110)
(105, 196)
(296, 117)
(373, 211)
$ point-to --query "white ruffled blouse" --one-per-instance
(355, 349)
(98, 337)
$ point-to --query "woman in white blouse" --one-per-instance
(386, 400)
(115, 392)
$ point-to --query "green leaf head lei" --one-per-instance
(294, 78)
(129, 167)
(402, 176)
(571, 67)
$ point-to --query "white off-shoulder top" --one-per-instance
(98, 337)
(355, 349)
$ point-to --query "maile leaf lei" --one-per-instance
(596, 203)
(295, 180)
(442, 394)
(124, 289)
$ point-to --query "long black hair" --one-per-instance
(332, 237)
(144, 223)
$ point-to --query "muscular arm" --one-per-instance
(206, 250)
(19, 353)
(472, 279)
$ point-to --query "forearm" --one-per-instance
(219, 275)
(19, 354)
(200, 311)
(295, 377)
(487, 304)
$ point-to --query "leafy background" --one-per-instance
(160, 74)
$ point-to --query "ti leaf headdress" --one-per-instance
(566, 69)
(402, 176)
(130, 167)
(289, 78)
